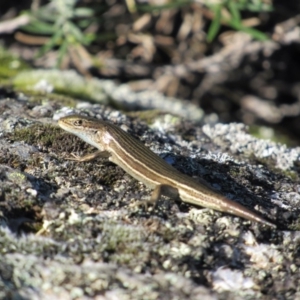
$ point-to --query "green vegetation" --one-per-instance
(10, 65)
(65, 23)
(228, 12)
(69, 26)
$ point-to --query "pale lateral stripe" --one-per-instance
(174, 182)
(219, 205)
(138, 161)
(186, 194)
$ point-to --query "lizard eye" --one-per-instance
(78, 122)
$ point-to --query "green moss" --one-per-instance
(43, 135)
(12, 160)
(17, 177)
(234, 173)
(290, 174)
(10, 65)
(145, 115)
(268, 133)
(63, 82)
(155, 116)
(296, 225)
(39, 98)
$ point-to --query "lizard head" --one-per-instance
(91, 130)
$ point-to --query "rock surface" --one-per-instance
(71, 230)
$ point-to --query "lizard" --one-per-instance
(144, 165)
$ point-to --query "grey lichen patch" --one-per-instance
(290, 172)
(239, 142)
(88, 278)
(114, 240)
(166, 122)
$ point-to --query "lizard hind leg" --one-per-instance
(155, 196)
(158, 191)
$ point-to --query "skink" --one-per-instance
(144, 165)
